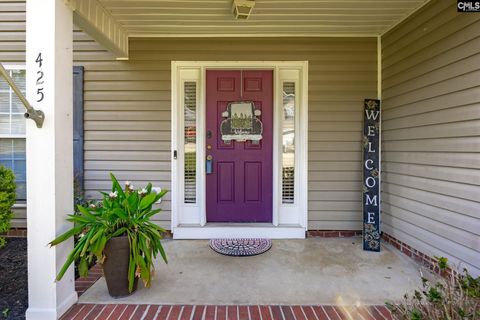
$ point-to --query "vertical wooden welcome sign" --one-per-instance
(371, 175)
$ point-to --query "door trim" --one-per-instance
(288, 220)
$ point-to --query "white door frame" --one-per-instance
(288, 220)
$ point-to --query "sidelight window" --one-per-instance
(288, 143)
(190, 142)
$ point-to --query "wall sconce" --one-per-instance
(242, 8)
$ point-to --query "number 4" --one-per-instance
(39, 60)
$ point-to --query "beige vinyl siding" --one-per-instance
(431, 133)
(128, 117)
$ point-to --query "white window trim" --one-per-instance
(289, 220)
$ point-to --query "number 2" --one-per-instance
(40, 77)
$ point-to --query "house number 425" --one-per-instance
(40, 94)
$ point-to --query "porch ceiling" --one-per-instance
(210, 18)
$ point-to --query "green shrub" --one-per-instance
(454, 297)
(7, 200)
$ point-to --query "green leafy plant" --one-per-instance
(7, 200)
(5, 312)
(122, 212)
(80, 199)
(454, 297)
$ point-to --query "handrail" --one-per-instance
(36, 115)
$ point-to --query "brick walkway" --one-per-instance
(189, 312)
(150, 312)
(82, 284)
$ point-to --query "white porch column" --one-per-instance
(49, 156)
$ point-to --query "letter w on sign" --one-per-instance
(371, 175)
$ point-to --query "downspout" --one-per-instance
(379, 67)
(379, 97)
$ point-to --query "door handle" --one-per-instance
(209, 164)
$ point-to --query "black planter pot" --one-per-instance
(115, 267)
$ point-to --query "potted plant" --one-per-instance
(118, 232)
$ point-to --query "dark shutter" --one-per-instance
(78, 126)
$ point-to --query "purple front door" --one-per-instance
(239, 188)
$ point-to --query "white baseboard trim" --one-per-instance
(50, 313)
(219, 231)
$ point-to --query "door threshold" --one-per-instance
(239, 230)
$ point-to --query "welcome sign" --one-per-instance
(371, 175)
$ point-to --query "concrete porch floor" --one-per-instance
(315, 271)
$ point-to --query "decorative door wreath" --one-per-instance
(241, 123)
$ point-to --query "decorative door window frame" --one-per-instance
(290, 218)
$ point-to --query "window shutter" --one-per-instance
(78, 126)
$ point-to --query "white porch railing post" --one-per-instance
(49, 156)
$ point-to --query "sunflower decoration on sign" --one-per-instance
(371, 104)
(372, 236)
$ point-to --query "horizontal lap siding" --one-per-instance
(127, 125)
(127, 110)
(431, 133)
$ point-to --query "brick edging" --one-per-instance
(333, 233)
(15, 233)
(420, 257)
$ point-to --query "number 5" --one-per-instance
(39, 92)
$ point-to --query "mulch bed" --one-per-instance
(13, 279)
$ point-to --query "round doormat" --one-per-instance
(240, 247)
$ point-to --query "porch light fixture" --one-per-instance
(242, 8)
